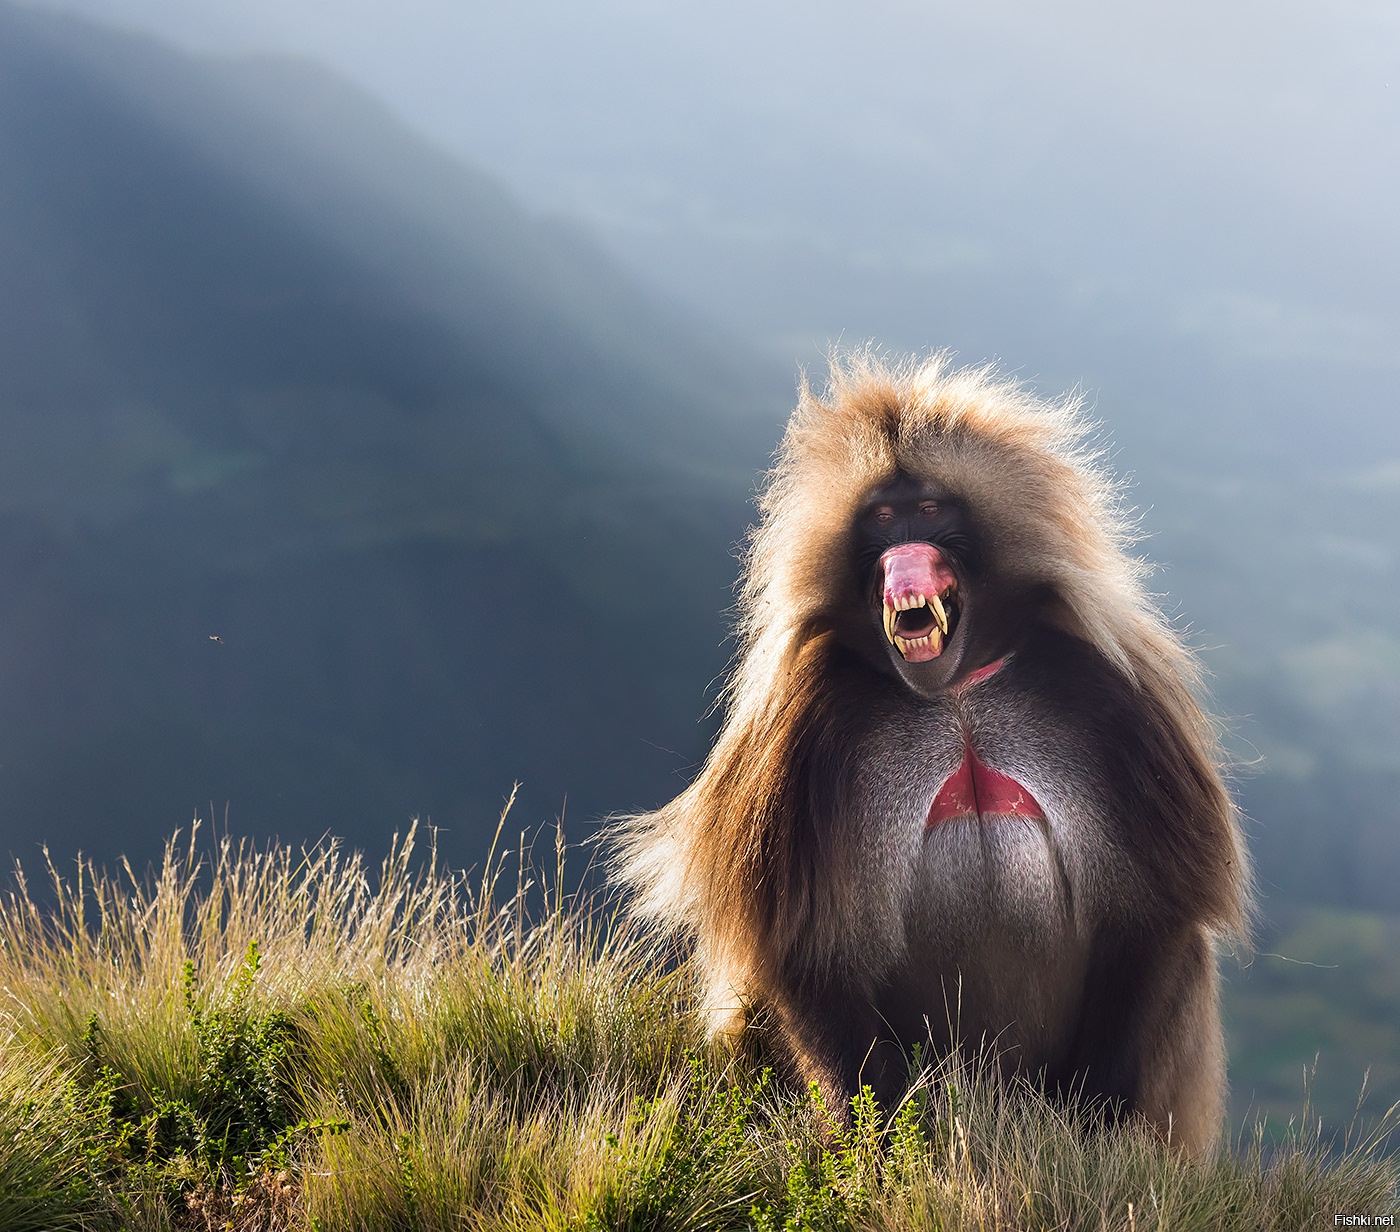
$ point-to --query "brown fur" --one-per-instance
(782, 860)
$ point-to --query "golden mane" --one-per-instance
(737, 858)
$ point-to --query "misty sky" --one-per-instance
(811, 172)
(909, 135)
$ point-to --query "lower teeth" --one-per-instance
(906, 644)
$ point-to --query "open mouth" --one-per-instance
(921, 604)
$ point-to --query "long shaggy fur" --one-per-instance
(753, 860)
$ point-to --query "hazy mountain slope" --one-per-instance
(460, 500)
(1195, 228)
(449, 490)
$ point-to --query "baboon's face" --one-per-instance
(938, 613)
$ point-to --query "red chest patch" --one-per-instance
(975, 790)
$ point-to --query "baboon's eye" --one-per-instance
(884, 515)
(928, 509)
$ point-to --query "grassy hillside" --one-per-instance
(289, 1039)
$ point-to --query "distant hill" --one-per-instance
(455, 498)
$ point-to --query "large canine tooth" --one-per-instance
(890, 614)
(936, 607)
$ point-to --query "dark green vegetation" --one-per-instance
(459, 502)
(280, 1039)
(1322, 994)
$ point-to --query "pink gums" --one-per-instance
(913, 569)
(975, 790)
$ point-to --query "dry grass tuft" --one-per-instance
(268, 1039)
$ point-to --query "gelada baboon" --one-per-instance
(963, 792)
